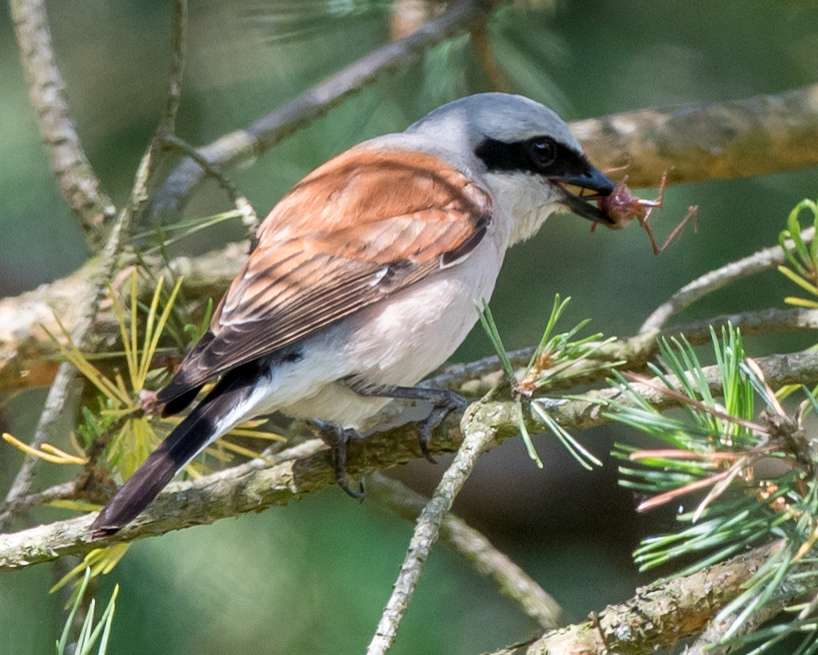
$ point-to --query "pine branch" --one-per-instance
(658, 616)
(259, 484)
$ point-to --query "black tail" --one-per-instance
(191, 436)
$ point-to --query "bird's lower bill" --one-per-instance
(585, 205)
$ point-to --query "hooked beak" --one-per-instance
(593, 180)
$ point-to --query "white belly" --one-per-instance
(395, 342)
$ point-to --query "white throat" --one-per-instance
(525, 202)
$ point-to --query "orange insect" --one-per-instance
(623, 207)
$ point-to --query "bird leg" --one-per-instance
(337, 438)
(443, 402)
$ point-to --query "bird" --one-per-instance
(364, 277)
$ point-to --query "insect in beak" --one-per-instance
(593, 180)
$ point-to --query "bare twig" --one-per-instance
(167, 123)
(510, 578)
(709, 282)
(75, 178)
(82, 333)
(258, 484)
(478, 435)
(64, 491)
(243, 206)
(244, 145)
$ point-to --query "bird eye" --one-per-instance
(543, 151)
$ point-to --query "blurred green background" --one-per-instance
(313, 577)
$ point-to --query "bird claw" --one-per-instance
(337, 439)
(355, 495)
(445, 405)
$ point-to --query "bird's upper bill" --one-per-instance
(582, 203)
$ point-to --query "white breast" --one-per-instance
(395, 342)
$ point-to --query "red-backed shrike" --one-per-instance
(364, 279)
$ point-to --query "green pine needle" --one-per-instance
(529, 444)
(802, 258)
(89, 633)
(714, 444)
(553, 360)
(487, 321)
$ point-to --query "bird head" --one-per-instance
(525, 153)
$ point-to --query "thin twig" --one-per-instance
(167, 123)
(477, 377)
(244, 145)
(761, 261)
(76, 179)
(82, 333)
(478, 435)
(248, 214)
(474, 546)
(64, 491)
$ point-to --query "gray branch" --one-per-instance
(479, 432)
(76, 179)
(760, 261)
(511, 580)
(259, 484)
